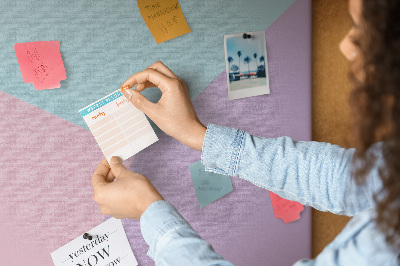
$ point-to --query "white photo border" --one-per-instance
(247, 92)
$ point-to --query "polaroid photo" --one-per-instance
(246, 64)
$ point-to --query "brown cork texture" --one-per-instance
(331, 109)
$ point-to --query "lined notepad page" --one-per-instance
(118, 126)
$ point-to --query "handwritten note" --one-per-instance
(288, 211)
(209, 186)
(41, 64)
(164, 18)
(118, 126)
(108, 246)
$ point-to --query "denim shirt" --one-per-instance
(313, 173)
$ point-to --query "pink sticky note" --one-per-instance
(284, 209)
(41, 63)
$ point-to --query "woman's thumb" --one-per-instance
(116, 166)
(138, 100)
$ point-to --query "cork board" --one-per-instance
(331, 89)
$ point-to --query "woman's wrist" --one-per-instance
(196, 138)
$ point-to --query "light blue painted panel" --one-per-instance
(104, 42)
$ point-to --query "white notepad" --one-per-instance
(118, 126)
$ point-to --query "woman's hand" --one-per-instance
(127, 197)
(173, 113)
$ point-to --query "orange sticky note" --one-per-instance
(164, 18)
(287, 210)
(41, 63)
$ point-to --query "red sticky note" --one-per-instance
(288, 211)
(41, 63)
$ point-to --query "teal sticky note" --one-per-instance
(209, 186)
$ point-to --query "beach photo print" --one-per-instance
(246, 64)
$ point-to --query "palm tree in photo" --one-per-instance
(239, 54)
(262, 59)
(255, 58)
(247, 60)
(234, 68)
(230, 60)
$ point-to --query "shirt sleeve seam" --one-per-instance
(236, 152)
(166, 228)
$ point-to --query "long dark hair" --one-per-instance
(376, 102)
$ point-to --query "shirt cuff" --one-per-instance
(159, 218)
(222, 147)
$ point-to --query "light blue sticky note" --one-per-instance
(209, 186)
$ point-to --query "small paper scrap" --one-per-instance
(209, 186)
(164, 19)
(118, 126)
(41, 64)
(108, 246)
(288, 211)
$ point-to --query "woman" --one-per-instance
(320, 175)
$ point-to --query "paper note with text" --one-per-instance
(118, 126)
(108, 246)
(41, 63)
(209, 186)
(164, 19)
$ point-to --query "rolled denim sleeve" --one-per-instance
(316, 174)
(172, 241)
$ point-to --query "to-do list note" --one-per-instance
(164, 19)
(118, 126)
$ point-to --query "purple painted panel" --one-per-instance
(46, 194)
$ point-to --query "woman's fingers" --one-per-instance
(159, 80)
(141, 103)
(100, 174)
(110, 177)
(142, 86)
(157, 66)
(160, 67)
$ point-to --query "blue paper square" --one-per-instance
(209, 186)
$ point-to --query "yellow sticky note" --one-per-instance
(164, 18)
